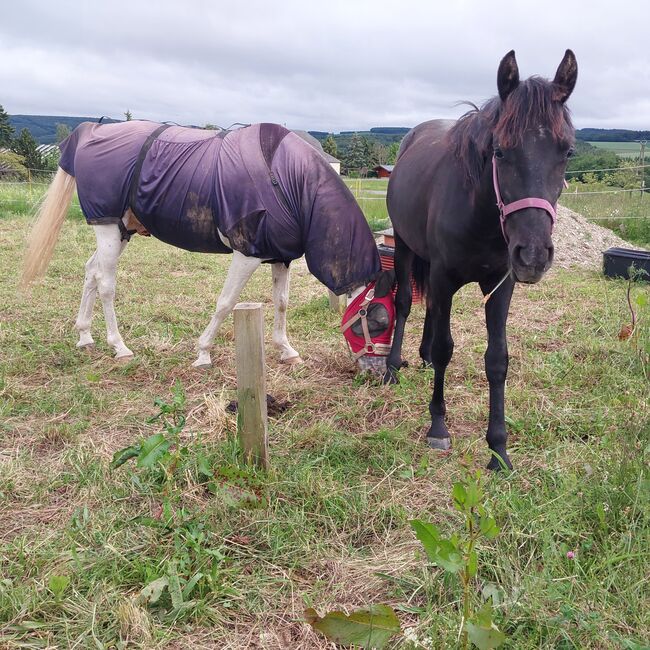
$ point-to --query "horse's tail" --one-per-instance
(420, 273)
(47, 227)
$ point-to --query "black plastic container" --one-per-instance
(617, 261)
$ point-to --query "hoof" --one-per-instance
(499, 462)
(124, 358)
(391, 376)
(441, 444)
(292, 361)
(203, 360)
(86, 347)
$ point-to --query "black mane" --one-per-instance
(531, 105)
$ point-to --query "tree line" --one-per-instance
(19, 154)
(361, 155)
(597, 165)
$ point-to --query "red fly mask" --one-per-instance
(367, 325)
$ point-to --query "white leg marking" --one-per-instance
(85, 316)
(280, 274)
(240, 271)
(109, 249)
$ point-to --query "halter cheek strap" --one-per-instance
(529, 202)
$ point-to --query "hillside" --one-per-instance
(611, 135)
(43, 127)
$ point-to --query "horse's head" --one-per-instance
(532, 141)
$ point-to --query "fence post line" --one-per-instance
(251, 382)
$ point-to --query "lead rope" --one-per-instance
(503, 279)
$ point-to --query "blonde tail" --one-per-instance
(45, 232)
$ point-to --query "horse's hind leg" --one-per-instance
(403, 298)
(442, 348)
(109, 248)
(240, 271)
(84, 318)
(280, 274)
(427, 340)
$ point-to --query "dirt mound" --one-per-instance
(579, 242)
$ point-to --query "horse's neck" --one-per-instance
(485, 213)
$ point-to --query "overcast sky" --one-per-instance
(325, 65)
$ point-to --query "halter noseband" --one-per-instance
(529, 202)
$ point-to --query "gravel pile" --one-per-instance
(579, 242)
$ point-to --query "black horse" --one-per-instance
(460, 202)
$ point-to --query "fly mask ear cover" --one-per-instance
(368, 323)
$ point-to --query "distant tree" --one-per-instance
(392, 153)
(626, 176)
(128, 116)
(25, 145)
(377, 154)
(62, 132)
(211, 127)
(50, 161)
(329, 146)
(358, 154)
(590, 159)
(13, 165)
(6, 130)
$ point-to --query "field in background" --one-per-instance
(622, 149)
(625, 212)
(328, 526)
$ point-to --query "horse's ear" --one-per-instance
(384, 282)
(508, 75)
(565, 77)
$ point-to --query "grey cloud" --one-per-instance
(329, 66)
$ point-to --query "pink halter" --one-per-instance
(508, 208)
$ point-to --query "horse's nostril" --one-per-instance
(551, 254)
(533, 255)
(518, 256)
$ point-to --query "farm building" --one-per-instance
(334, 162)
(47, 149)
(383, 171)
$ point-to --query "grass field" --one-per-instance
(626, 213)
(328, 525)
(622, 149)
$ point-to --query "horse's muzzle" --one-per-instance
(530, 263)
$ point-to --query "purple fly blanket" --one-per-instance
(270, 193)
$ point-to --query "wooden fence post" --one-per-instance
(251, 382)
(337, 303)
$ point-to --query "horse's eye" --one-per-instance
(498, 153)
(570, 152)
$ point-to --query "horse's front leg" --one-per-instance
(442, 348)
(240, 271)
(84, 318)
(496, 369)
(280, 274)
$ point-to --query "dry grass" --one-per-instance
(348, 465)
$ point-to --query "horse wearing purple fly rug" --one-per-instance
(261, 193)
(474, 201)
